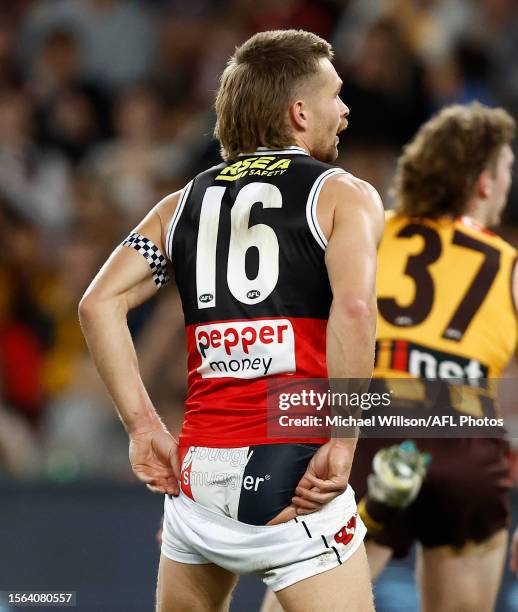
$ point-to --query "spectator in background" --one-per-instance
(34, 181)
(430, 27)
(131, 165)
(385, 88)
(9, 71)
(115, 37)
(26, 330)
(386, 94)
(72, 114)
(40, 338)
(461, 78)
(496, 27)
(80, 414)
(179, 58)
(77, 259)
(223, 37)
(97, 215)
(275, 15)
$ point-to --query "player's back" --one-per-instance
(249, 262)
(445, 311)
(444, 298)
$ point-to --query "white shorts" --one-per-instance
(280, 555)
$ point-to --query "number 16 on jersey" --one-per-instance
(242, 238)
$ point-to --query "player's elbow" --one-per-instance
(355, 308)
(94, 305)
(87, 308)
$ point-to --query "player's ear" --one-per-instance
(298, 114)
(484, 184)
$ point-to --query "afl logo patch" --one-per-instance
(206, 297)
(251, 295)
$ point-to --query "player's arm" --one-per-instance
(130, 276)
(351, 265)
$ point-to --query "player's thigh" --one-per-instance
(378, 558)
(462, 581)
(346, 587)
(185, 587)
(270, 603)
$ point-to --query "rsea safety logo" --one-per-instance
(255, 166)
(246, 349)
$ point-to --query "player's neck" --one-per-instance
(477, 211)
(298, 141)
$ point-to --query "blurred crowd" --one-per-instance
(106, 106)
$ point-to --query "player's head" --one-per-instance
(279, 89)
(459, 162)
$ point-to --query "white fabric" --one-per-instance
(280, 555)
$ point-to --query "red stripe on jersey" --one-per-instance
(227, 408)
(400, 356)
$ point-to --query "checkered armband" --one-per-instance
(152, 255)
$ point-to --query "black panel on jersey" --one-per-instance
(270, 479)
(302, 289)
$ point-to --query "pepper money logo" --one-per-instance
(246, 349)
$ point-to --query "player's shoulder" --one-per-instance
(166, 208)
(483, 234)
(346, 182)
(349, 190)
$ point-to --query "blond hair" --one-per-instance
(258, 85)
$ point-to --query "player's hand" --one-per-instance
(513, 563)
(154, 459)
(288, 514)
(326, 477)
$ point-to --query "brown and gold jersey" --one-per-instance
(444, 298)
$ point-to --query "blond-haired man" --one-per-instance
(274, 254)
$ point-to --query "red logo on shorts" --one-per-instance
(346, 533)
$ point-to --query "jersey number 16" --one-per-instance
(242, 238)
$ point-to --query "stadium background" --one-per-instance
(105, 107)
